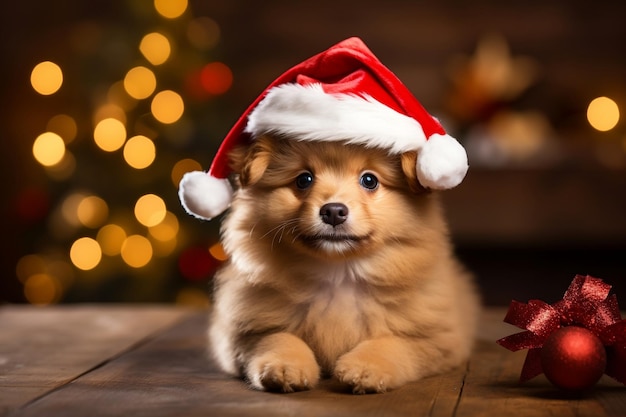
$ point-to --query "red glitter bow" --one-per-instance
(587, 304)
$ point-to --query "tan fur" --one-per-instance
(375, 313)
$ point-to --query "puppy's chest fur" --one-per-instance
(339, 314)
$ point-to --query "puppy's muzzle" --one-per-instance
(334, 214)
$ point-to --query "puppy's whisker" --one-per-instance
(295, 235)
(280, 226)
(282, 232)
(278, 231)
(252, 229)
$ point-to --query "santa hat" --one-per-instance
(342, 94)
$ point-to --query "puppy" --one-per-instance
(340, 265)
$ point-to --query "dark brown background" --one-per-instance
(525, 231)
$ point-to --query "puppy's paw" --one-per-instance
(364, 377)
(287, 365)
(376, 366)
(273, 374)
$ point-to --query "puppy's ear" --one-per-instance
(408, 161)
(250, 162)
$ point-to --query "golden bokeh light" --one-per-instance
(603, 114)
(46, 78)
(64, 126)
(42, 289)
(140, 82)
(167, 106)
(167, 229)
(111, 237)
(92, 211)
(150, 210)
(85, 253)
(118, 95)
(69, 208)
(29, 265)
(217, 251)
(170, 9)
(48, 149)
(182, 167)
(164, 248)
(109, 111)
(155, 47)
(136, 251)
(139, 152)
(110, 134)
(64, 169)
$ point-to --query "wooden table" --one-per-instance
(101, 360)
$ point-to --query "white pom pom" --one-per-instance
(441, 163)
(204, 196)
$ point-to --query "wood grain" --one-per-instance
(170, 374)
(42, 349)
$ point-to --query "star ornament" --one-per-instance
(573, 341)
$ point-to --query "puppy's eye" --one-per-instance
(304, 180)
(369, 181)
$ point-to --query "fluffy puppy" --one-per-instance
(340, 265)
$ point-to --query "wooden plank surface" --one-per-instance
(42, 349)
(169, 374)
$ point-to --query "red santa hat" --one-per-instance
(342, 94)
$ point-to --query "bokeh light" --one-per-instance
(140, 82)
(150, 210)
(92, 211)
(217, 251)
(109, 134)
(128, 93)
(32, 204)
(29, 265)
(109, 111)
(64, 126)
(48, 149)
(216, 78)
(139, 152)
(85, 253)
(46, 78)
(167, 229)
(118, 95)
(164, 248)
(64, 169)
(69, 208)
(155, 47)
(182, 167)
(136, 251)
(167, 106)
(42, 289)
(603, 114)
(170, 9)
(196, 263)
(111, 237)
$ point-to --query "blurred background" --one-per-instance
(105, 104)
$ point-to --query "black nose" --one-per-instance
(334, 213)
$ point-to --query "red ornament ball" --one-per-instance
(573, 358)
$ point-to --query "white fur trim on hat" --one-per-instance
(306, 112)
(441, 163)
(204, 196)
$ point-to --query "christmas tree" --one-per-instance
(141, 100)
